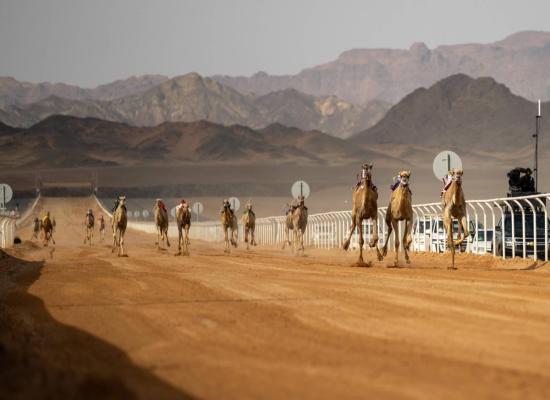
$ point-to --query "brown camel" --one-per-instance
(365, 206)
(249, 222)
(400, 209)
(161, 220)
(89, 221)
(47, 229)
(101, 228)
(299, 224)
(183, 220)
(454, 206)
(120, 222)
(229, 222)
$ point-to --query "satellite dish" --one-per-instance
(444, 162)
(6, 194)
(136, 214)
(145, 213)
(197, 208)
(300, 188)
(234, 203)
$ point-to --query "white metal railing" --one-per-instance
(503, 227)
(7, 231)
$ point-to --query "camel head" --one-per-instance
(301, 201)
(122, 201)
(405, 176)
(366, 172)
(456, 174)
(249, 206)
(226, 204)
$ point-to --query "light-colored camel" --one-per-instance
(288, 225)
(249, 224)
(183, 219)
(365, 206)
(454, 206)
(229, 222)
(161, 220)
(101, 229)
(47, 229)
(89, 221)
(400, 209)
(120, 221)
(299, 224)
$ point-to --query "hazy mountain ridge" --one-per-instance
(14, 92)
(191, 98)
(519, 61)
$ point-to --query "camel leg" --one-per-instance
(122, 242)
(462, 225)
(361, 241)
(186, 241)
(374, 241)
(226, 240)
(407, 240)
(450, 243)
(395, 226)
(180, 236)
(345, 245)
(389, 225)
(252, 233)
(246, 237)
(166, 235)
(302, 240)
(285, 239)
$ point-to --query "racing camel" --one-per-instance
(161, 220)
(454, 206)
(400, 209)
(36, 228)
(101, 228)
(120, 221)
(47, 229)
(89, 221)
(288, 224)
(365, 206)
(249, 222)
(299, 224)
(229, 222)
(183, 220)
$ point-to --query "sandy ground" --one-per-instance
(265, 324)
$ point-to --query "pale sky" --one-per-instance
(92, 42)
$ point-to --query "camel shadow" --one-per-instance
(41, 357)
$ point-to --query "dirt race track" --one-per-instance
(80, 322)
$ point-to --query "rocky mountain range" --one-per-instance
(13, 91)
(191, 98)
(519, 61)
(65, 141)
(458, 112)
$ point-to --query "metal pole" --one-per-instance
(536, 136)
(448, 161)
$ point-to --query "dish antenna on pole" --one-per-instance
(444, 162)
(300, 188)
(235, 203)
(6, 194)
